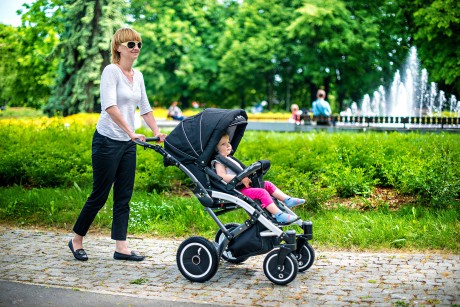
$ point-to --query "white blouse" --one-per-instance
(117, 90)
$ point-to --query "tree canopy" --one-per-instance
(83, 51)
(434, 27)
(226, 53)
(27, 70)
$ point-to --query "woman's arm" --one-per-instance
(146, 111)
(152, 123)
(116, 116)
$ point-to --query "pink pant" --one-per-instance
(261, 194)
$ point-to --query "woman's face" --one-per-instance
(224, 147)
(129, 53)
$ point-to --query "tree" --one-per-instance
(255, 54)
(227, 52)
(178, 60)
(9, 45)
(435, 25)
(84, 52)
(27, 71)
(343, 47)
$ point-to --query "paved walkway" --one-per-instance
(336, 278)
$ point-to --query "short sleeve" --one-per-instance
(108, 88)
(213, 163)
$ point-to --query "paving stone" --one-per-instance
(336, 278)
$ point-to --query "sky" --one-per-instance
(8, 10)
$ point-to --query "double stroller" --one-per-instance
(191, 147)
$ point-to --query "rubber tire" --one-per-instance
(197, 259)
(288, 272)
(306, 257)
(227, 255)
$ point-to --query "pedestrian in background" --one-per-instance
(175, 112)
(320, 106)
(295, 114)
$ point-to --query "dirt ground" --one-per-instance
(379, 197)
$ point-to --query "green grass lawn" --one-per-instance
(163, 215)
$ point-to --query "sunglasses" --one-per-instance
(131, 45)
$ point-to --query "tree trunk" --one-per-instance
(341, 98)
(288, 94)
(327, 86)
(313, 90)
(269, 94)
(185, 102)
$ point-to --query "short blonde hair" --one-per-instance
(121, 36)
(294, 107)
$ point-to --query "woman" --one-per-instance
(113, 149)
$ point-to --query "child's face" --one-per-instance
(224, 147)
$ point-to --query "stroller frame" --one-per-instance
(198, 258)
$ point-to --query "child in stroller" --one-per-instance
(191, 147)
(229, 170)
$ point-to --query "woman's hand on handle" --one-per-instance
(151, 122)
(162, 136)
(136, 136)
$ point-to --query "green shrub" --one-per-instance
(430, 172)
(350, 181)
(57, 153)
(437, 183)
(46, 155)
(316, 195)
(301, 185)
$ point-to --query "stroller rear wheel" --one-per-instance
(227, 255)
(280, 274)
(305, 257)
(197, 259)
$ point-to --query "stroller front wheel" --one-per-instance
(305, 257)
(197, 259)
(280, 274)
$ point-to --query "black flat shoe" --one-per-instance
(79, 254)
(132, 257)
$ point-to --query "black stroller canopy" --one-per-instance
(195, 138)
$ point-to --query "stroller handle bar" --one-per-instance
(155, 147)
(147, 140)
(152, 139)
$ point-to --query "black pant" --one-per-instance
(114, 163)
